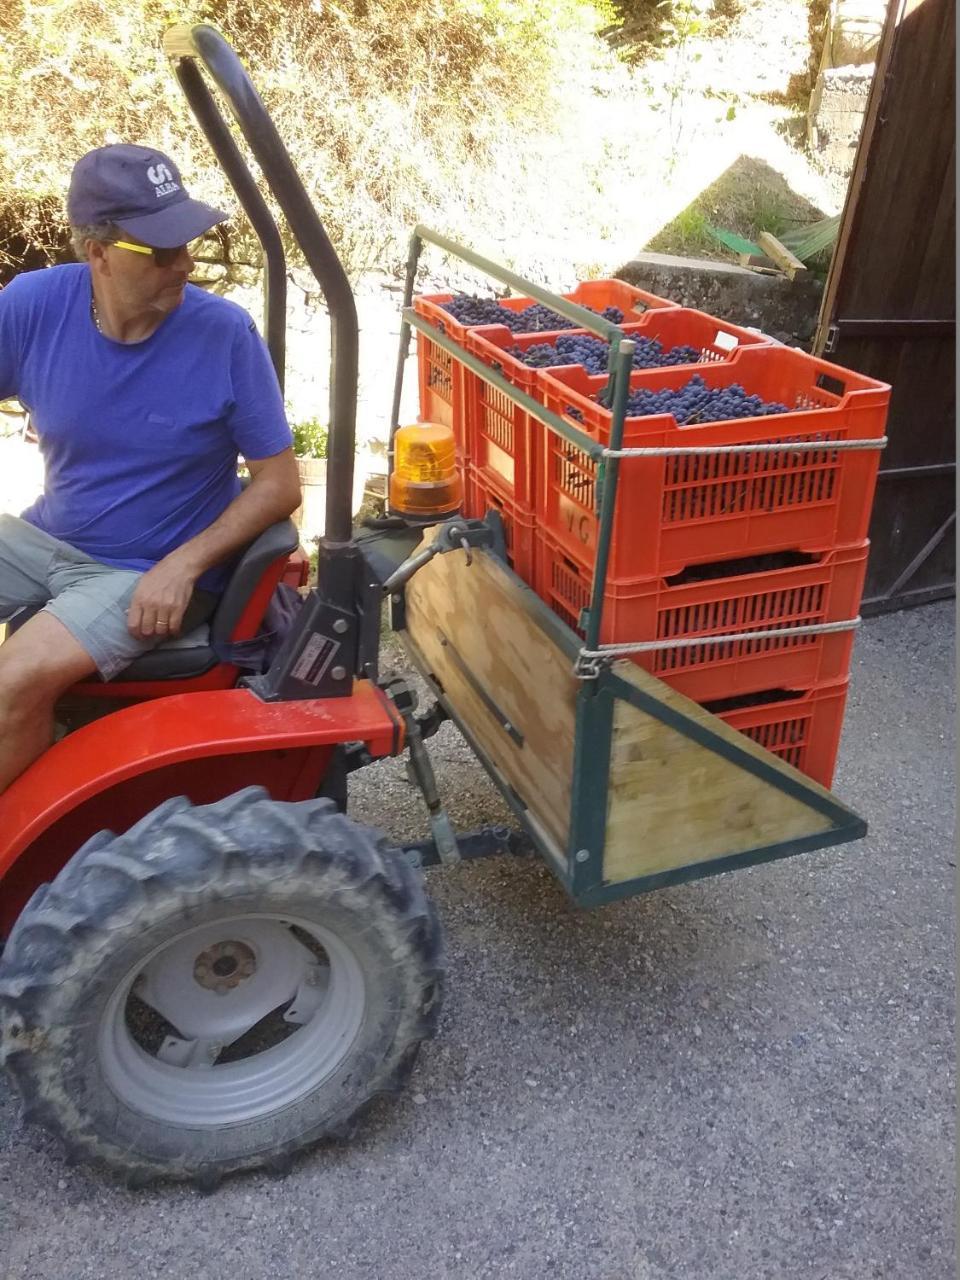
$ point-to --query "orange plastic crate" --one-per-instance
(519, 523)
(440, 375)
(502, 436)
(672, 512)
(441, 386)
(504, 441)
(802, 727)
(827, 589)
(491, 342)
(716, 341)
(597, 294)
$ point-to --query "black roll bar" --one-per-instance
(254, 206)
(186, 45)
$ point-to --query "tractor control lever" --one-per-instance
(452, 535)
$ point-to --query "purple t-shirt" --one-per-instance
(139, 441)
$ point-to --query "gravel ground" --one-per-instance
(743, 1078)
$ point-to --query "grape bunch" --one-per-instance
(471, 311)
(540, 319)
(695, 402)
(593, 354)
(651, 355)
(536, 318)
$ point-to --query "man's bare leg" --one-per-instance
(37, 664)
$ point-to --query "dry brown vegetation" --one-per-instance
(505, 123)
(379, 101)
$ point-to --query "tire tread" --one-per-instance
(179, 852)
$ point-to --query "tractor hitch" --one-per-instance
(453, 535)
(486, 842)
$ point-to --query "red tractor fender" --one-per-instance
(205, 746)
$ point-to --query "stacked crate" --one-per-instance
(715, 544)
(703, 545)
(509, 447)
(443, 380)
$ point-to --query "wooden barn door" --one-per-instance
(889, 304)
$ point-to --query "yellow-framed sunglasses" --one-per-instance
(161, 257)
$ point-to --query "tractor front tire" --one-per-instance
(218, 988)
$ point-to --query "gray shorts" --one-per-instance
(89, 598)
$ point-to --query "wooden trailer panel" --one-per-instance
(506, 679)
(633, 784)
(673, 802)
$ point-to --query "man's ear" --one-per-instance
(97, 255)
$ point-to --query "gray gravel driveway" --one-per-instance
(744, 1078)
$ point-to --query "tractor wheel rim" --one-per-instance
(222, 990)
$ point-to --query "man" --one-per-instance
(143, 390)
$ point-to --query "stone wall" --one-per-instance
(785, 309)
(839, 100)
(837, 112)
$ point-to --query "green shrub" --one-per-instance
(639, 28)
(309, 439)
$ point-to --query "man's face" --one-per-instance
(137, 282)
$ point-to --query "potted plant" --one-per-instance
(310, 447)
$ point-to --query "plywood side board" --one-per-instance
(673, 802)
(642, 681)
(668, 802)
(475, 627)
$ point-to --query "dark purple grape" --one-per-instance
(470, 310)
(593, 354)
(695, 402)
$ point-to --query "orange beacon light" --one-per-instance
(424, 481)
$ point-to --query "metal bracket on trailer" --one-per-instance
(590, 664)
(456, 534)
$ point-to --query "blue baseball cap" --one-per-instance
(141, 191)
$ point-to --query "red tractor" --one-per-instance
(208, 966)
(251, 925)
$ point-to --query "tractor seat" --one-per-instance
(237, 617)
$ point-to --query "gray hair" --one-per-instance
(79, 235)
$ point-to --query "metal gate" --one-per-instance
(889, 305)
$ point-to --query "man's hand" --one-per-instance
(160, 600)
(163, 593)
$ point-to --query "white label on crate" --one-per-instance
(726, 341)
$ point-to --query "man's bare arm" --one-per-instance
(163, 593)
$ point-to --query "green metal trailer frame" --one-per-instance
(605, 684)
